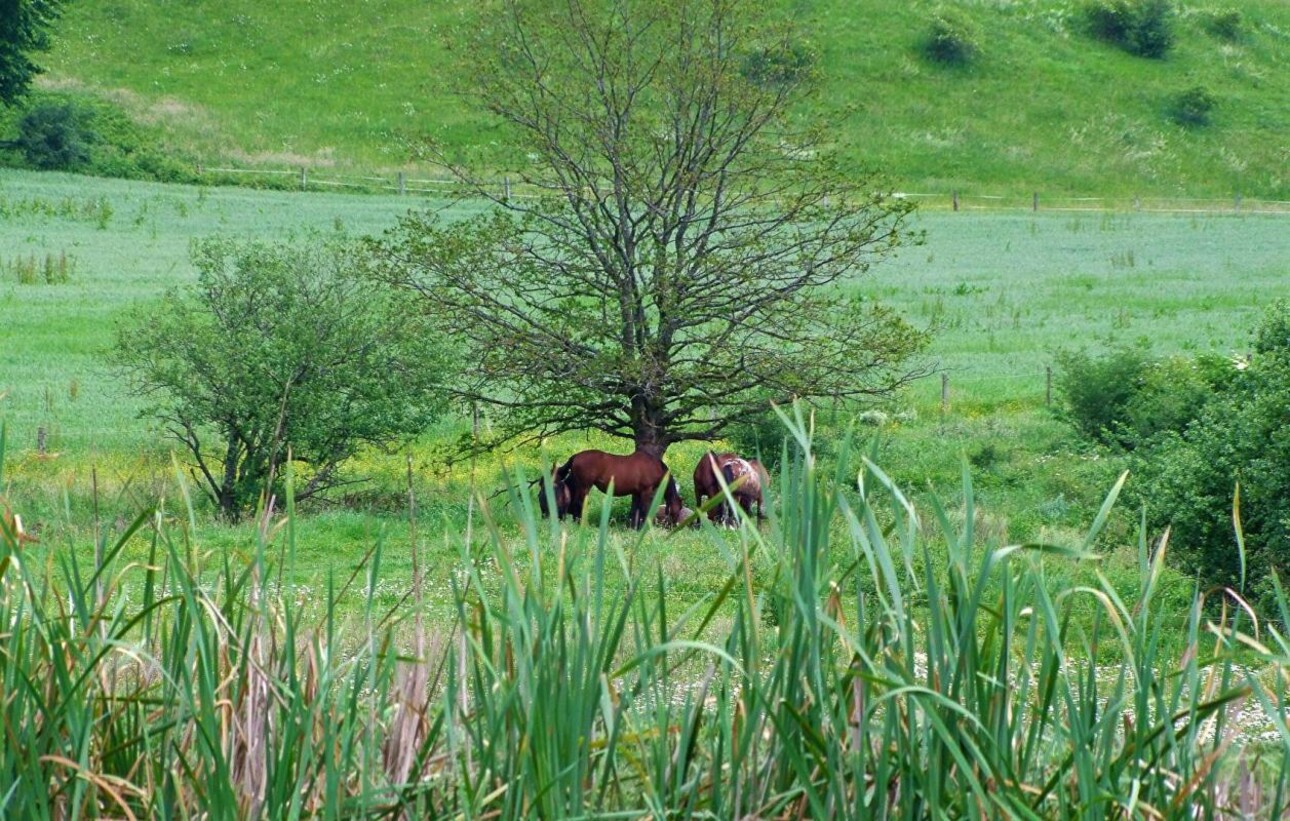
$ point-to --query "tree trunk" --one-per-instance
(648, 427)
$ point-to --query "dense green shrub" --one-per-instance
(951, 39)
(1192, 108)
(55, 136)
(1140, 27)
(1096, 391)
(1187, 479)
(57, 132)
(1225, 23)
(1127, 398)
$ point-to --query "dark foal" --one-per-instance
(637, 475)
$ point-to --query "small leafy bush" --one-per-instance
(952, 39)
(1140, 27)
(55, 136)
(1192, 108)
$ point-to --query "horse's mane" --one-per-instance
(562, 472)
(671, 493)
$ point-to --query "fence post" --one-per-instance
(304, 178)
(403, 187)
(506, 189)
(40, 440)
(1034, 202)
(945, 393)
(1238, 202)
(1048, 384)
(954, 197)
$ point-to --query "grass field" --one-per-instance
(1003, 290)
(257, 84)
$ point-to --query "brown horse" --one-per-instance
(637, 475)
(706, 484)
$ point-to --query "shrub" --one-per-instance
(94, 137)
(1128, 399)
(55, 136)
(952, 39)
(1187, 478)
(1192, 107)
(1096, 391)
(781, 65)
(1225, 23)
(279, 354)
(1140, 27)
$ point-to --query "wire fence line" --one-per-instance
(306, 179)
(956, 385)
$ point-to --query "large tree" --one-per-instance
(679, 244)
(24, 29)
(278, 350)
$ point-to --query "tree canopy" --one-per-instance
(24, 29)
(680, 246)
(280, 350)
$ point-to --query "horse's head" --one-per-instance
(559, 489)
(672, 501)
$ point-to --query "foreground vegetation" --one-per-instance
(834, 673)
(250, 83)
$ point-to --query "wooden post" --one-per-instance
(506, 189)
(1034, 202)
(954, 198)
(304, 178)
(98, 548)
(1137, 203)
(1238, 202)
(403, 187)
(945, 393)
(40, 440)
(1048, 384)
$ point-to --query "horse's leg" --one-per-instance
(637, 517)
(577, 501)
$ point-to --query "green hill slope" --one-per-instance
(351, 85)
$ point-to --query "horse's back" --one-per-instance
(628, 472)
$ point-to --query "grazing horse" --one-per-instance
(706, 485)
(751, 477)
(637, 475)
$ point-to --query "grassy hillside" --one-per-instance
(349, 86)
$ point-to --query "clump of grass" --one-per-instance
(951, 39)
(854, 663)
(52, 269)
(1225, 23)
(1193, 108)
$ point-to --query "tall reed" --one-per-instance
(856, 663)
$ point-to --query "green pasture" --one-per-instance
(1044, 108)
(1001, 289)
